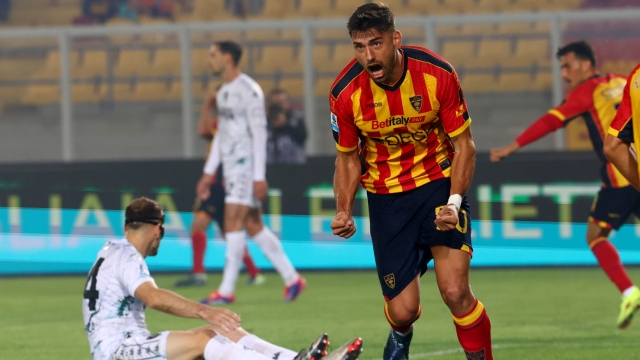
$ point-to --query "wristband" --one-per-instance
(456, 200)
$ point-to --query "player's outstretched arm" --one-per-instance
(619, 152)
(462, 169)
(539, 129)
(174, 304)
(345, 185)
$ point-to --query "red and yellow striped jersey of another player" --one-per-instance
(404, 129)
(629, 109)
(596, 100)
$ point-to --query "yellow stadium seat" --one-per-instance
(41, 94)
(275, 9)
(237, 36)
(398, 7)
(123, 91)
(262, 35)
(492, 6)
(88, 93)
(131, 62)
(312, 8)
(322, 86)
(478, 29)
(618, 67)
(344, 8)
(94, 63)
(10, 95)
(514, 82)
(529, 51)
(199, 61)
(444, 30)
(542, 82)
(332, 33)
(343, 54)
(174, 92)
(291, 34)
(458, 52)
(206, 10)
(542, 27)
(266, 85)
(478, 83)
(51, 68)
(456, 6)
(515, 28)
(165, 62)
(295, 86)
(491, 53)
(19, 69)
(279, 58)
(150, 91)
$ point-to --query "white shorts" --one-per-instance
(152, 347)
(239, 189)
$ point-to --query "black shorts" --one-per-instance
(613, 206)
(403, 232)
(214, 205)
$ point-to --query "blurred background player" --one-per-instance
(416, 183)
(119, 289)
(211, 209)
(594, 97)
(241, 148)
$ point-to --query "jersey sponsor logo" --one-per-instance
(390, 280)
(612, 92)
(416, 102)
(404, 137)
(373, 105)
(334, 123)
(396, 121)
(225, 113)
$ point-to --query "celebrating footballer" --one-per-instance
(403, 110)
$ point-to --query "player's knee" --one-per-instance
(201, 339)
(403, 315)
(454, 295)
(253, 228)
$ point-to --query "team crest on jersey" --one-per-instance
(390, 280)
(416, 102)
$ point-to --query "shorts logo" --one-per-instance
(416, 102)
(390, 280)
(334, 123)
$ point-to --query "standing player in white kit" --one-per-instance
(119, 288)
(241, 146)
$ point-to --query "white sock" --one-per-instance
(221, 348)
(271, 247)
(627, 292)
(266, 348)
(235, 250)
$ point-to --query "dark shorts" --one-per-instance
(214, 205)
(613, 206)
(403, 232)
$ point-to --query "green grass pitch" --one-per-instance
(536, 314)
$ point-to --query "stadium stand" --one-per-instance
(489, 57)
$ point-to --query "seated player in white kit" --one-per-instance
(241, 147)
(119, 288)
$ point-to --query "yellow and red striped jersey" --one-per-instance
(404, 129)
(629, 108)
(596, 100)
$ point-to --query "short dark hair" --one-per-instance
(232, 48)
(581, 49)
(370, 16)
(143, 211)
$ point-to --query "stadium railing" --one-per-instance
(502, 53)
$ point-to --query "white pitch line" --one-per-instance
(502, 346)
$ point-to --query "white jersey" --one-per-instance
(111, 313)
(240, 142)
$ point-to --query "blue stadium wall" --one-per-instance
(529, 210)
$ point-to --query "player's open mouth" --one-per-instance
(376, 71)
